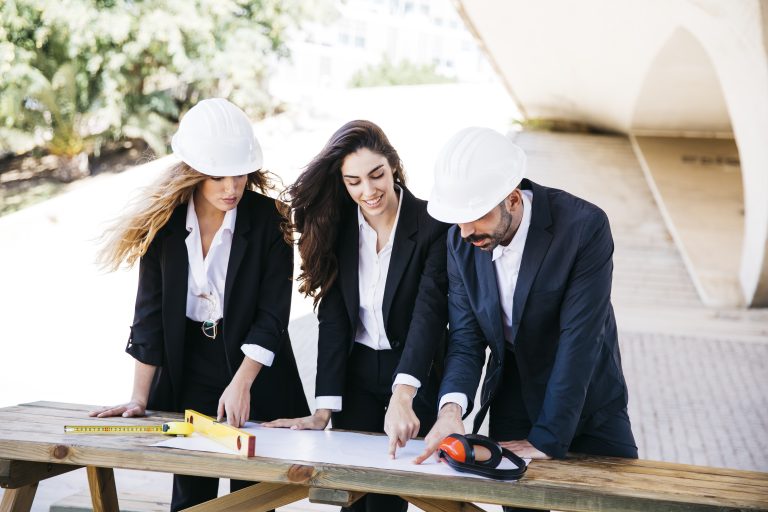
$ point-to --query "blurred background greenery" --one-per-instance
(80, 74)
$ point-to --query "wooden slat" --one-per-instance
(256, 498)
(18, 500)
(101, 481)
(334, 496)
(15, 474)
(432, 505)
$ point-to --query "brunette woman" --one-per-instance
(374, 260)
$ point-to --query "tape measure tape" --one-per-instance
(173, 428)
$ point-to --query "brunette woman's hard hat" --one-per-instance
(476, 169)
(216, 138)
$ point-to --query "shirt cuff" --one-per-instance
(258, 354)
(328, 402)
(404, 378)
(454, 398)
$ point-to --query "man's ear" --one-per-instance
(513, 201)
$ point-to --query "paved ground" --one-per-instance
(696, 375)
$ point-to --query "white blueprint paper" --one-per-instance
(328, 447)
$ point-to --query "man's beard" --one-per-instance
(499, 234)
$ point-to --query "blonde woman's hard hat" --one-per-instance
(476, 169)
(216, 138)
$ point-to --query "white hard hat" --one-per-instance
(216, 138)
(476, 169)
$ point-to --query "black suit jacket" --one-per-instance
(414, 305)
(257, 301)
(565, 339)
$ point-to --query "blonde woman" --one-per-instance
(210, 325)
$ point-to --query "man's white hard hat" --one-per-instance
(216, 138)
(476, 169)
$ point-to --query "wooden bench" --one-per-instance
(33, 447)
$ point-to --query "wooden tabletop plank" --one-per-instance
(34, 432)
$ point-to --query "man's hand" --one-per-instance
(524, 449)
(448, 422)
(400, 422)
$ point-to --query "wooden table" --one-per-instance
(33, 447)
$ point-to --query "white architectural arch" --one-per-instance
(668, 67)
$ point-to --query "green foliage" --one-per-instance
(403, 73)
(76, 72)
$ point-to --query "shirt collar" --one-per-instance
(518, 241)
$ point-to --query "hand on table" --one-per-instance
(524, 449)
(448, 422)
(317, 421)
(126, 410)
(235, 403)
(400, 422)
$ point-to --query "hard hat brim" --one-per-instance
(451, 213)
(218, 170)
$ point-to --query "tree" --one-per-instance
(78, 72)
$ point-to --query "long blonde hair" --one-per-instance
(129, 238)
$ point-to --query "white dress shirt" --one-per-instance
(372, 271)
(207, 276)
(506, 264)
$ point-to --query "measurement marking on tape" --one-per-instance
(173, 428)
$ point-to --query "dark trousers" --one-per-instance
(509, 421)
(366, 398)
(205, 377)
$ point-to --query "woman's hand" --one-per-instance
(317, 421)
(235, 403)
(400, 422)
(126, 410)
(137, 406)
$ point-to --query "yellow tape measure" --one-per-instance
(172, 428)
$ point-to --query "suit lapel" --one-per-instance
(536, 246)
(402, 249)
(175, 265)
(348, 266)
(488, 299)
(239, 247)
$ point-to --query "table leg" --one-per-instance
(433, 505)
(103, 492)
(334, 496)
(255, 498)
(18, 500)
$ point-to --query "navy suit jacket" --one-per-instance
(565, 338)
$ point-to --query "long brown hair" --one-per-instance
(319, 202)
(130, 236)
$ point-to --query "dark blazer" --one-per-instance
(415, 307)
(257, 301)
(565, 339)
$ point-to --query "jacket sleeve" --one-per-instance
(583, 313)
(146, 339)
(273, 303)
(333, 344)
(466, 344)
(430, 313)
